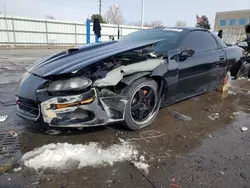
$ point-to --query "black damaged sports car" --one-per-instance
(127, 80)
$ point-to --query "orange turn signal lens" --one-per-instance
(60, 106)
(87, 101)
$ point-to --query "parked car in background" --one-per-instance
(127, 80)
(245, 45)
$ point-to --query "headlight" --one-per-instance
(73, 84)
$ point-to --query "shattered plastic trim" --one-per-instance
(105, 110)
(111, 104)
(24, 114)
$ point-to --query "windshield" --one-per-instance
(172, 35)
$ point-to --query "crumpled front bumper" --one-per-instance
(105, 109)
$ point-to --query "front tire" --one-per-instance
(143, 105)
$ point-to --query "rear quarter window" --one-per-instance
(199, 41)
(219, 41)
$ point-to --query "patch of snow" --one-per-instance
(222, 172)
(142, 166)
(17, 169)
(242, 78)
(214, 116)
(109, 181)
(211, 118)
(243, 129)
(236, 113)
(3, 118)
(63, 155)
(142, 158)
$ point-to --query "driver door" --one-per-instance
(194, 71)
(188, 75)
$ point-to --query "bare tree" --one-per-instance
(155, 23)
(50, 17)
(134, 23)
(114, 15)
(180, 23)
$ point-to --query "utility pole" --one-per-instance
(116, 6)
(6, 23)
(142, 13)
(100, 7)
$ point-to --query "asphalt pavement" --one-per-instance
(211, 150)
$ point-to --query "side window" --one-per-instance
(220, 41)
(199, 41)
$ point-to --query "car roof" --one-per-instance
(184, 28)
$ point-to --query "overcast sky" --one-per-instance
(164, 10)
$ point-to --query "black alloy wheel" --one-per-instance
(143, 104)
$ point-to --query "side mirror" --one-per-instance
(187, 53)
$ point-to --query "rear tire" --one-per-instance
(235, 69)
(143, 104)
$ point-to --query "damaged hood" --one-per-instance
(75, 59)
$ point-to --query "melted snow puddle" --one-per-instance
(65, 156)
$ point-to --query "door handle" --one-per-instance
(222, 57)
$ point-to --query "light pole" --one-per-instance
(116, 6)
(6, 23)
(142, 13)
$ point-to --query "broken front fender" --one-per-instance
(76, 111)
